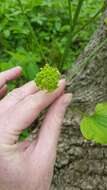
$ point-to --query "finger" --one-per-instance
(3, 91)
(50, 131)
(8, 75)
(27, 111)
(18, 95)
(44, 152)
(22, 146)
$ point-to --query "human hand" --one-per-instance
(25, 165)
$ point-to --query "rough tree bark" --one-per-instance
(82, 165)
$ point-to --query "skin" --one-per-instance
(29, 165)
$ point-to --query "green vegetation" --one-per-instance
(36, 32)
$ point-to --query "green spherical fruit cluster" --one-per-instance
(47, 78)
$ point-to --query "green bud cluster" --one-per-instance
(47, 78)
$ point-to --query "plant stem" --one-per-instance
(70, 36)
(77, 13)
(90, 20)
(70, 14)
(35, 40)
(82, 28)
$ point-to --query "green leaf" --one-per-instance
(95, 127)
(32, 69)
(24, 135)
(11, 86)
(5, 66)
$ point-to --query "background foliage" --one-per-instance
(50, 22)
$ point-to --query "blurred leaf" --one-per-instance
(11, 86)
(95, 127)
(5, 66)
(31, 70)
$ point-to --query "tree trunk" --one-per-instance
(82, 165)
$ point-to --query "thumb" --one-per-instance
(49, 133)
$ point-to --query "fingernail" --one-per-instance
(67, 99)
(19, 68)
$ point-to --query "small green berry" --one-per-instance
(47, 78)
